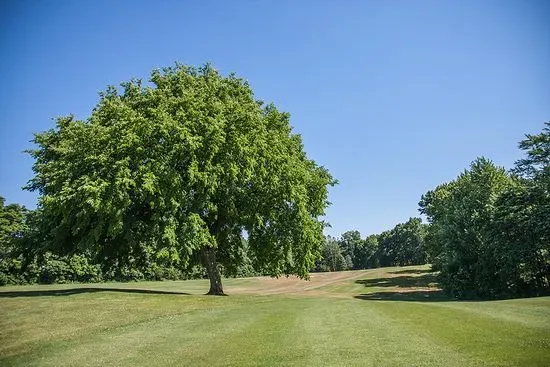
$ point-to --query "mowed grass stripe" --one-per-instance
(268, 340)
(484, 339)
(531, 312)
(349, 332)
(147, 340)
(331, 325)
(51, 319)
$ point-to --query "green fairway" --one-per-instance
(380, 317)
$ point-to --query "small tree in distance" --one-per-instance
(180, 170)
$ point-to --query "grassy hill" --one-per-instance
(380, 317)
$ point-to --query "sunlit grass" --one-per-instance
(383, 317)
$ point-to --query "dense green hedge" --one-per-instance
(50, 268)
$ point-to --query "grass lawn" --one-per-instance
(380, 317)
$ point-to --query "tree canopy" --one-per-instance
(182, 168)
(490, 229)
(188, 175)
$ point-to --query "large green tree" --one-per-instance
(364, 252)
(349, 243)
(461, 242)
(182, 168)
(490, 230)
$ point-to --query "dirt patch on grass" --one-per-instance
(293, 284)
(344, 283)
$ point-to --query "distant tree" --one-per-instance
(179, 170)
(368, 253)
(349, 243)
(537, 162)
(364, 251)
(331, 256)
(521, 225)
(490, 230)
(403, 245)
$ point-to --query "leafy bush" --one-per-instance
(10, 270)
(55, 271)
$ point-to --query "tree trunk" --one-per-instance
(213, 271)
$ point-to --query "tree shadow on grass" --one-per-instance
(422, 281)
(417, 288)
(412, 271)
(71, 291)
(414, 296)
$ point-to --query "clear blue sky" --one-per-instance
(394, 97)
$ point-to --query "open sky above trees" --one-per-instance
(392, 98)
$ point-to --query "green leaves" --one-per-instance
(403, 245)
(537, 148)
(12, 226)
(190, 161)
(489, 230)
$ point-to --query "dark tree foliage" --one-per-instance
(490, 230)
(521, 225)
(12, 227)
(24, 260)
(403, 245)
(521, 234)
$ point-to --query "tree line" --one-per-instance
(189, 175)
(487, 236)
(21, 263)
(402, 245)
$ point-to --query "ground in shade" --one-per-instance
(380, 317)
